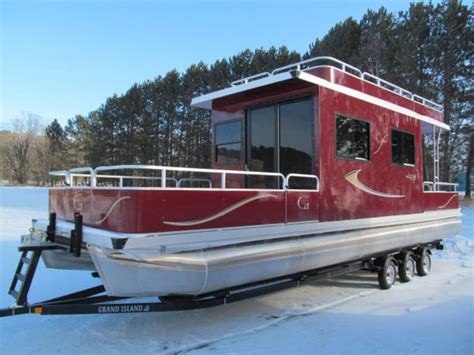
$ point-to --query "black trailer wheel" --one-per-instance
(387, 273)
(407, 266)
(423, 263)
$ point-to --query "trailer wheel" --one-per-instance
(423, 263)
(406, 270)
(387, 273)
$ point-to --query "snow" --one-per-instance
(432, 314)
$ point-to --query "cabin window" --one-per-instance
(296, 141)
(352, 138)
(403, 148)
(228, 138)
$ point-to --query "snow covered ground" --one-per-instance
(433, 314)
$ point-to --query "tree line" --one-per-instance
(427, 49)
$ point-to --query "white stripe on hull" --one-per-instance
(172, 242)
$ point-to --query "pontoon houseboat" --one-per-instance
(314, 164)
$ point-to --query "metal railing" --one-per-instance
(311, 63)
(435, 186)
(304, 176)
(95, 175)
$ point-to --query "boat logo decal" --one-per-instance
(302, 205)
(448, 202)
(353, 178)
(221, 213)
(115, 204)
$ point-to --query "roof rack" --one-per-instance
(307, 64)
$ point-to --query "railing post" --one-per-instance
(93, 178)
(163, 178)
(223, 178)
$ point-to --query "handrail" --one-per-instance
(298, 65)
(250, 78)
(180, 182)
(433, 186)
(95, 174)
(306, 176)
(428, 103)
(165, 169)
(304, 66)
(387, 85)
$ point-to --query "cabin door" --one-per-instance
(280, 139)
(262, 134)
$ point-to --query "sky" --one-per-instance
(61, 58)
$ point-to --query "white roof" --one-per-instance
(205, 101)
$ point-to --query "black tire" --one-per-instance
(387, 273)
(423, 262)
(407, 266)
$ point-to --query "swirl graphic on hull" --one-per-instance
(219, 214)
(115, 204)
(353, 178)
(448, 202)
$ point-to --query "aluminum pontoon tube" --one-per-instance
(203, 271)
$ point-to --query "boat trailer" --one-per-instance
(94, 300)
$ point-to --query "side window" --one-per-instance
(228, 147)
(403, 148)
(352, 138)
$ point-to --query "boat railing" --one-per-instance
(311, 63)
(304, 176)
(95, 176)
(430, 186)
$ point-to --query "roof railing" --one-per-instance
(308, 64)
(250, 78)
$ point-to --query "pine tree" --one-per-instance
(341, 42)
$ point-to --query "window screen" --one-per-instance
(403, 148)
(352, 138)
(228, 142)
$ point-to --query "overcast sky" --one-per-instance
(61, 58)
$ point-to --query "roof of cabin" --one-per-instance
(305, 72)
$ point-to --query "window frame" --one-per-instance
(358, 159)
(215, 145)
(405, 165)
(276, 104)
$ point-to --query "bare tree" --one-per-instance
(19, 153)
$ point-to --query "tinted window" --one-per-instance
(403, 148)
(262, 128)
(296, 141)
(228, 142)
(352, 138)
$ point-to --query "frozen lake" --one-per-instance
(433, 314)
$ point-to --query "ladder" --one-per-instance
(24, 275)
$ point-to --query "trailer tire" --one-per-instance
(387, 273)
(423, 263)
(407, 266)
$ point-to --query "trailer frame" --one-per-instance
(94, 300)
